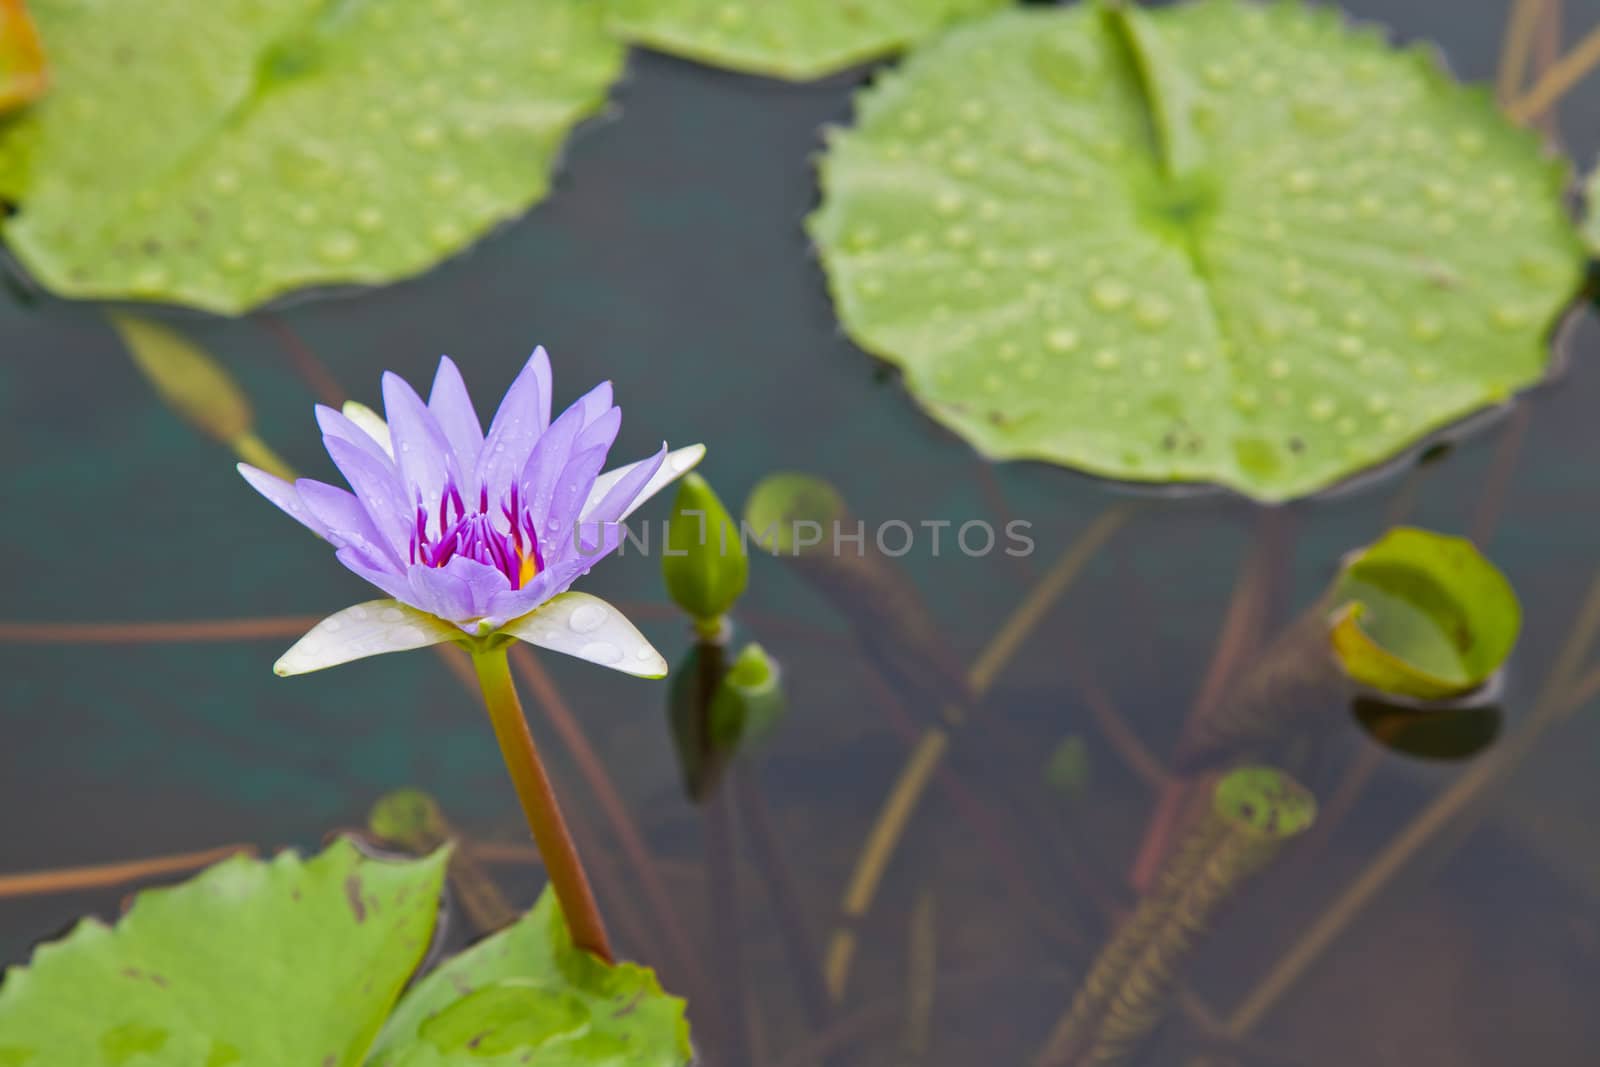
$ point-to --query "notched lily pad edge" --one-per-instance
(847, 69)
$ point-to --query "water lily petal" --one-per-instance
(377, 486)
(511, 603)
(483, 582)
(420, 450)
(558, 532)
(452, 406)
(375, 569)
(585, 626)
(522, 417)
(595, 403)
(625, 490)
(546, 462)
(284, 495)
(336, 424)
(679, 461)
(442, 593)
(600, 431)
(371, 423)
(553, 443)
(369, 629)
(346, 520)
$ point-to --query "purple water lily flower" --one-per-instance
(474, 535)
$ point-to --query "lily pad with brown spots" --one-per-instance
(284, 961)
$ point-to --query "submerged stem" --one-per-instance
(1567, 72)
(539, 803)
(1253, 813)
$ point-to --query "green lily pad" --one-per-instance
(795, 39)
(23, 75)
(1591, 221)
(277, 962)
(526, 995)
(248, 149)
(1215, 242)
(1422, 615)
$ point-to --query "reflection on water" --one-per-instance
(671, 259)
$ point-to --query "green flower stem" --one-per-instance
(539, 804)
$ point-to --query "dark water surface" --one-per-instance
(670, 258)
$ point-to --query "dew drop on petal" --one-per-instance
(587, 618)
(600, 652)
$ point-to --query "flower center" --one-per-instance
(506, 541)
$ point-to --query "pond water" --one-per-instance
(670, 258)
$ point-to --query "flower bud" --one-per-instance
(704, 564)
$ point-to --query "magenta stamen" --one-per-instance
(475, 535)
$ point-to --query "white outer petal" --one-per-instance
(371, 422)
(675, 465)
(585, 626)
(369, 629)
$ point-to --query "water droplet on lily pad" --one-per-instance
(1165, 245)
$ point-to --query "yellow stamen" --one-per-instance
(530, 568)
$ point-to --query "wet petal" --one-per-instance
(523, 416)
(442, 593)
(285, 496)
(420, 449)
(334, 424)
(509, 455)
(548, 459)
(556, 532)
(345, 520)
(595, 403)
(452, 406)
(581, 625)
(369, 629)
(511, 603)
(679, 462)
(482, 581)
(371, 424)
(375, 569)
(377, 486)
(600, 432)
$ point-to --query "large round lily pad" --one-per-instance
(795, 39)
(1218, 242)
(249, 148)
